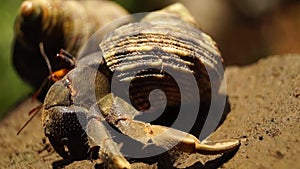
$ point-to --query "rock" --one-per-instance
(265, 115)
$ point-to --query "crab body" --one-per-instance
(105, 97)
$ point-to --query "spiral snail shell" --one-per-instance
(58, 24)
(145, 53)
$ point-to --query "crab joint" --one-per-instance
(70, 87)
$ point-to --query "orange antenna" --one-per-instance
(35, 111)
(59, 74)
(55, 76)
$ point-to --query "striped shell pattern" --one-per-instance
(163, 51)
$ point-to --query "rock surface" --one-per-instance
(265, 115)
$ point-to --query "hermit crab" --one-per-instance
(104, 103)
(52, 27)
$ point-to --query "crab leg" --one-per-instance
(161, 136)
(109, 150)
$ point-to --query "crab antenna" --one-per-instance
(42, 51)
(35, 110)
(37, 93)
(41, 45)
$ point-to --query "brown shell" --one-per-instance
(59, 25)
(161, 52)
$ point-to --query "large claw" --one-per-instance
(161, 136)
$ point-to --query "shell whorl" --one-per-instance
(147, 54)
(58, 24)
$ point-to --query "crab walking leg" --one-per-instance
(161, 136)
(109, 150)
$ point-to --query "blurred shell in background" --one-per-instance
(57, 24)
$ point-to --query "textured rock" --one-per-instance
(265, 115)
